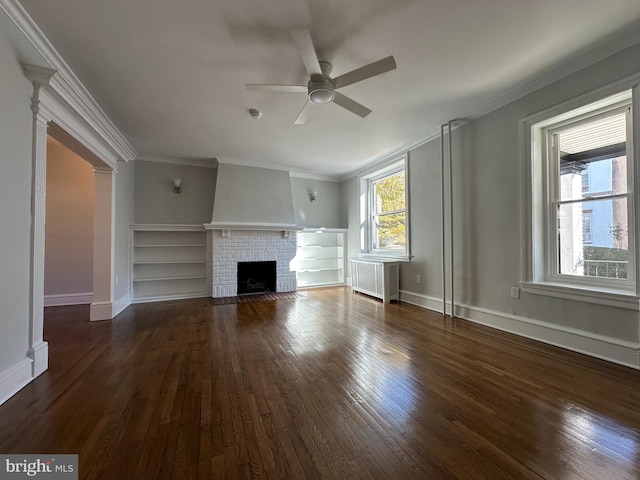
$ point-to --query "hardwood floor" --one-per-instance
(334, 385)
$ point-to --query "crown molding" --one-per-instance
(66, 85)
(311, 176)
(275, 166)
(583, 59)
(38, 75)
(195, 162)
(247, 163)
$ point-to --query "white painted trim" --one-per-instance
(166, 298)
(595, 345)
(13, 379)
(618, 299)
(194, 162)
(39, 353)
(169, 227)
(619, 42)
(324, 230)
(245, 163)
(348, 281)
(600, 346)
(251, 226)
(622, 39)
(66, 84)
(312, 176)
(420, 300)
(60, 299)
(122, 303)
(101, 311)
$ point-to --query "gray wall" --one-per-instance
(69, 223)
(325, 211)
(15, 210)
(125, 215)
(487, 157)
(155, 201)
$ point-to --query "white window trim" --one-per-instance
(365, 209)
(534, 268)
(553, 196)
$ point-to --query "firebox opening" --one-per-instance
(256, 277)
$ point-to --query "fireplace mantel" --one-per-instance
(227, 227)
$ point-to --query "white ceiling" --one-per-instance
(171, 74)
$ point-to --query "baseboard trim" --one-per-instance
(39, 353)
(600, 346)
(122, 303)
(167, 298)
(420, 300)
(101, 311)
(68, 299)
(14, 379)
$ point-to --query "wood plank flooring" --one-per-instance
(332, 386)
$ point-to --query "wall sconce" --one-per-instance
(177, 185)
(312, 195)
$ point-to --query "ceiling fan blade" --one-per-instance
(304, 114)
(351, 105)
(302, 39)
(368, 71)
(277, 88)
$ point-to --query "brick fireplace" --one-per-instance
(228, 247)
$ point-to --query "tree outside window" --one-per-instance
(389, 215)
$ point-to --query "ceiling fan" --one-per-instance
(321, 87)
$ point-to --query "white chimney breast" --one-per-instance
(246, 195)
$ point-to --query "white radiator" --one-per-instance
(376, 278)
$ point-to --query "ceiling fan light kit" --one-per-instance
(321, 87)
(320, 93)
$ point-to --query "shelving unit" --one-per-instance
(320, 257)
(169, 262)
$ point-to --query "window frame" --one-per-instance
(535, 191)
(367, 208)
(553, 198)
(587, 221)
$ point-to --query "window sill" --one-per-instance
(618, 298)
(383, 258)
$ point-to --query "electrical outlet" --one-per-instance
(418, 279)
(515, 292)
(116, 280)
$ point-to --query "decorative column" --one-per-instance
(38, 348)
(103, 243)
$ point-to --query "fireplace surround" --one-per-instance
(228, 247)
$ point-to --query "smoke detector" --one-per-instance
(255, 113)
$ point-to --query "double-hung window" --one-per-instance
(582, 202)
(383, 210)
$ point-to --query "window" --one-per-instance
(383, 210)
(599, 141)
(586, 226)
(582, 199)
(585, 180)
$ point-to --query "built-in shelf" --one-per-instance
(172, 245)
(320, 257)
(169, 262)
(163, 279)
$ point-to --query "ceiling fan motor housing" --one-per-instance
(320, 91)
(320, 87)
